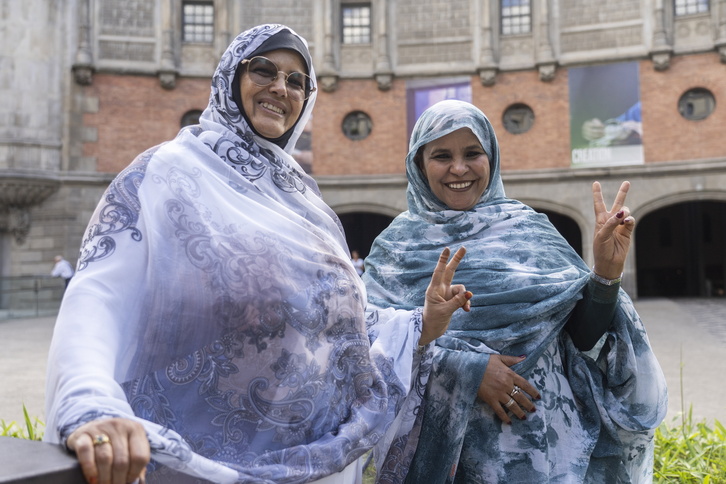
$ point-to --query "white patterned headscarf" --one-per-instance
(215, 302)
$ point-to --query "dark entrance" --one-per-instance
(681, 250)
(567, 228)
(361, 229)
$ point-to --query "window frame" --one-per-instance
(205, 37)
(687, 4)
(344, 6)
(504, 16)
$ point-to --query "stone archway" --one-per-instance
(681, 250)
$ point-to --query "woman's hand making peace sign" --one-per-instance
(613, 232)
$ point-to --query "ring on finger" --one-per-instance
(514, 391)
(509, 403)
(101, 439)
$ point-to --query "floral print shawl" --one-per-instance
(597, 412)
(216, 303)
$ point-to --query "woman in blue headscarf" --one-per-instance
(515, 395)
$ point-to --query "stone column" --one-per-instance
(83, 64)
(487, 64)
(167, 66)
(721, 41)
(662, 50)
(328, 74)
(546, 62)
(384, 72)
(223, 29)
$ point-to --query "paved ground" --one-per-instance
(687, 335)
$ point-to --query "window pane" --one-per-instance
(356, 23)
(690, 7)
(198, 21)
(515, 16)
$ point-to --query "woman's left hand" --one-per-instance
(613, 232)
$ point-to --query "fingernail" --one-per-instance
(533, 410)
(469, 294)
(524, 417)
(521, 357)
(620, 214)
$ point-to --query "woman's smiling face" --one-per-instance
(269, 108)
(457, 169)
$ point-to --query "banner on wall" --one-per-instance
(605, 121)
(422, 94)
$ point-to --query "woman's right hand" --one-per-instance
(442, 297)
(498, 384)
(120, 454)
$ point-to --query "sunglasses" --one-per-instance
(263, 72)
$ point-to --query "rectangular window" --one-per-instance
(516, 17)
(356, 23)
(689, 7)
(198, 22)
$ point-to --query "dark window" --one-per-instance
(689, 7)
(190, 117)
(518, 118)
(516, 17)
(357, 125)
(697, 103)
(198, 22)
(356, 23)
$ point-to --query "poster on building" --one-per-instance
(422, 94)
(605, 122)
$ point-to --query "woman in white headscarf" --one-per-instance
(517, 393)
(216, 324)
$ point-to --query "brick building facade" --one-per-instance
(89, 84)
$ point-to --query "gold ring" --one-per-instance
(509, 403)
(101, 439)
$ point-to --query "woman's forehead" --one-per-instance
(289, 59)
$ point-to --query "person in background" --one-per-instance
(62, 268)
(550, 377)
(357, 262)
(216, 330)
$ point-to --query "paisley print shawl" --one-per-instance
(215, 302)
(597, 410)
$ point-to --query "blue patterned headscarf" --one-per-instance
(519, 268)
(526, 281)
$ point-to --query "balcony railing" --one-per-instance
(30, 296)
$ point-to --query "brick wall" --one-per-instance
(547, 143)
(667, 136)
(136, 113)
(383, 152)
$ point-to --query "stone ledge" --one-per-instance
(32, 462)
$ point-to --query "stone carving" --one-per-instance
(17, 196)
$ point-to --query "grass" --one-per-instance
(33, 429)
(689, 452)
